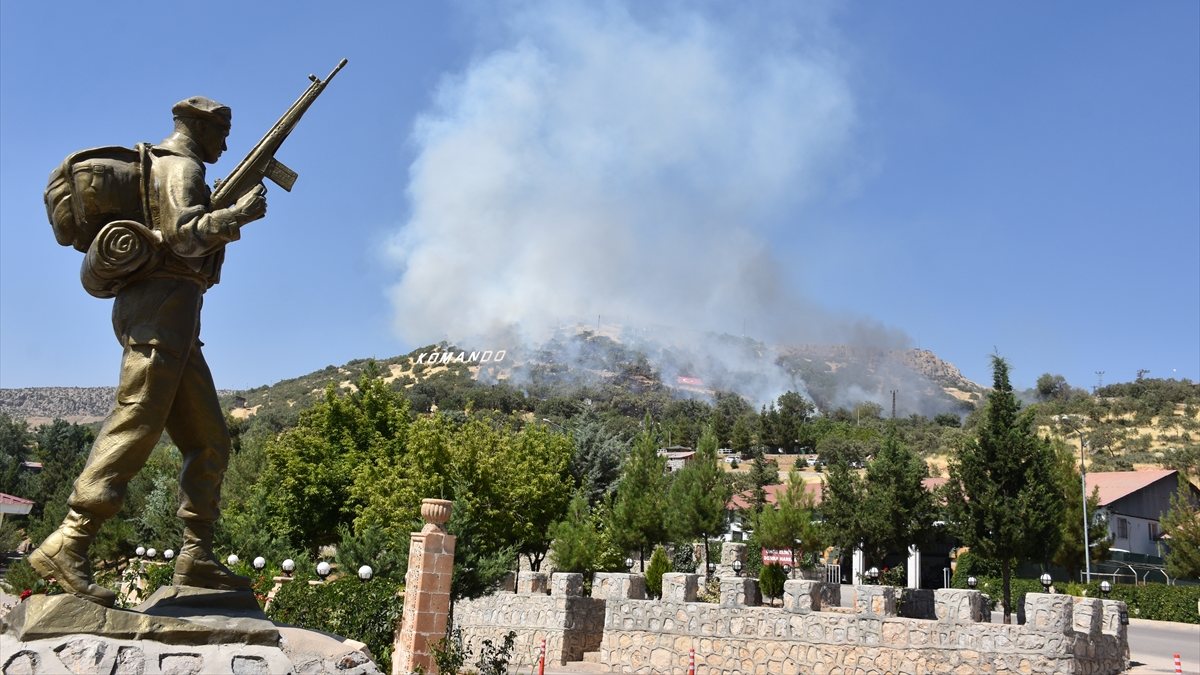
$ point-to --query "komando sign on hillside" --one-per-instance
(488, 356)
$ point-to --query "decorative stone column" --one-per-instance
(878, 602)
(533, 583)
(730, 552)
(679, 587)
(426, 592)
(739, 592)
(618, 586)
(801, 596)
(958, 606)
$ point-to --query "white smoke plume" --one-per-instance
(601, 163)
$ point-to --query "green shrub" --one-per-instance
(893, 576)
(970, 564)
(345, 606)
(770, 580)
(659, 565)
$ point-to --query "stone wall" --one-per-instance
(1063, 636)
(808, 634)
(569, 623)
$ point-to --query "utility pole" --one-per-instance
(1099, 380)
(893, 404)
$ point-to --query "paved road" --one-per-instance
(1152, 645)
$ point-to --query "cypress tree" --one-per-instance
(1003, 498)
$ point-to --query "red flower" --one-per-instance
(26, 593)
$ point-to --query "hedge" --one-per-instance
(1157, 602)
(365, 611)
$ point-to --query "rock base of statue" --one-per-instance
(179, 629)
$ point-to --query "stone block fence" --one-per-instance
(808, 634)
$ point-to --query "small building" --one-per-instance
(12, 505)
(1133, 503)
(677, 457)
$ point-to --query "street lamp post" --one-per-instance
(1065, 420)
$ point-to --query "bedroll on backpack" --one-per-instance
(94, 187)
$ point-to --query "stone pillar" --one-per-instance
(1049, 613)
(877, 602)
(730, 551)
(679, 587)
(426, 592)
(1087, 616)
(953, 605)
(618, 586)
(739, 592)
(568, 584)
(802, 597)
(532, 583)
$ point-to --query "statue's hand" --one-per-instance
(252, 205)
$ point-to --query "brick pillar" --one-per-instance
(426, 591)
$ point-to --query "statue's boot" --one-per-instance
(64, 558)
(197, 566)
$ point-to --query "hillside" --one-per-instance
(575, 359)
(1143, 424)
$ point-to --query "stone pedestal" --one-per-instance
(568, 584)
(877, 602)
(427, 590)
(802, 597)
(680, 587)
(730, 552)
(178, 629)
(618, 586)
(953, 605)
(533, 583)
(740, 592)
(1049, 613)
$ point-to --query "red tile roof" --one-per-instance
(742, 500)
(13, 499)
(1116, 485)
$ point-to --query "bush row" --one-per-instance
(364, 611)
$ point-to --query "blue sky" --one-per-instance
(963, 177)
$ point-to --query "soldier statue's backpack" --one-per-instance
(98, 202)
(94, 187)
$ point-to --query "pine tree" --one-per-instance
(1182, 524)
(790, 525)
(1003, 498)
(638, 521)
(699, 495)
(842, 492)
(576, 540)
(896, 511)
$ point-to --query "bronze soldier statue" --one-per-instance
(165, 382)
(154, 237)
